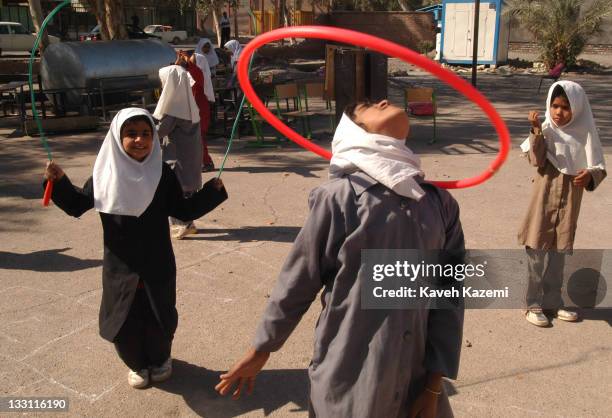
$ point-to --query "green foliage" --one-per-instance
(426, 47)
(560, 27)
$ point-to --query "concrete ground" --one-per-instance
(50, 271)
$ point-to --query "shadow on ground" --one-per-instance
(45, 261)
(273, 390)
(249, 234)
(604, 314)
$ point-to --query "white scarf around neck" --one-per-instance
(122, 185)
(176, 98)
(385, 159)
(576, 145)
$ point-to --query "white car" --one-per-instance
(166, 33)
(14, 37)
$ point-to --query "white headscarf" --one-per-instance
(211, 55)
(236, 49)
(122, 185)
(208, 86)
(574, 146)
(385, 159)
(177, 98)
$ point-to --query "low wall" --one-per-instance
(405, 28)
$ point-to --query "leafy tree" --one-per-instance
(560, 27)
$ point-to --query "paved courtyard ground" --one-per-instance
(50, 277)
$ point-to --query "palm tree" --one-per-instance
(560, 27)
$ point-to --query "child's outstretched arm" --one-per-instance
(70, 199)
(200, 203)
(243, 372)
(312, 262)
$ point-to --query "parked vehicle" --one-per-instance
(133, 33)
(166, 33)
(14, 37)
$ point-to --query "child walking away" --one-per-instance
(135, 192)
(567, 152)
(206, 103)
(204, 95)
(179, 127)
(366, 363)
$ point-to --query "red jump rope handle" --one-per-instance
(47, 195)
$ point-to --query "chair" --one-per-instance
(290, 92)
(554, 74)
(421, 101)
(318, 90)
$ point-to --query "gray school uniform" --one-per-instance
(182, 150)
(366, 363)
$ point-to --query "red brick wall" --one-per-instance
(405, 28)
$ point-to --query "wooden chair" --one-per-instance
(415, 96)
(290, 94)
(318, 90)
(554, 74)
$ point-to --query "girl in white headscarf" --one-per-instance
(134, 192)
(179, 129)
(567, 152)
(205, 47)
(234, 47)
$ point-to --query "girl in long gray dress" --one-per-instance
(366, 362)
(179, 130)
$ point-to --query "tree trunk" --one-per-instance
(404, 5)
(115, 19)
(96, 7)
(37, 19)
(215, 15)
(236, 20)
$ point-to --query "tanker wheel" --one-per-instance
(176, 40)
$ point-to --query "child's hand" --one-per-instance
(217, 183)
(243, 372)
(583, 178)
(53, 172)
(180, 57)
(425, 406)
(534, 118)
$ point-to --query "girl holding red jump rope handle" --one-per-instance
(135, 192)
